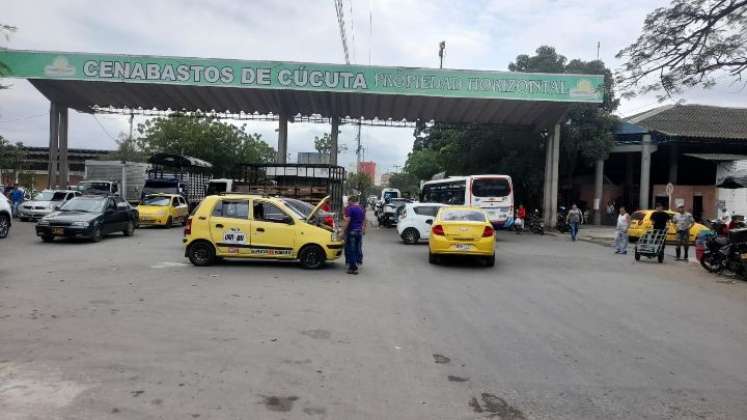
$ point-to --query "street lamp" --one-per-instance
(441, 48)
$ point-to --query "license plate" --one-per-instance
(463, 247)
(58, 231)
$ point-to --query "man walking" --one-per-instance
(660, 219)
(16, 198)
(354, 227)
(683, 222)
(621, 232)
(574, 218)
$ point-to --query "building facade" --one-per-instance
(33, 171)
(368, 168)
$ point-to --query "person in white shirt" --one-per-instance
(621, 232)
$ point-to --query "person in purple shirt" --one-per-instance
(354, 227)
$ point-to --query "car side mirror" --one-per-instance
(57, 207)
(429, 222)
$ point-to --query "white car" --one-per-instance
(415, 221)
(5, 216)
(44, 203)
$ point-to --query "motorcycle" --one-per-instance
(562, 225)
(535, 223)
(725, 253)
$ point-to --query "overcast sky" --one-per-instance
(484, 34)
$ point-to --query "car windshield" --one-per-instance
(95, 186)
(490, 187)
(58, 196)
(463, 216)
(44, 196)
(91, 205)
(155, 200)
(639, 215)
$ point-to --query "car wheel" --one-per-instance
(23, 219)
(4, 225)
(410, 236)
(311, 257)
(97, 235)
(637, 256)
(433, 258)
(130, 230)
(47, 238)
(169, 222)
(201, 253)
(490, 261)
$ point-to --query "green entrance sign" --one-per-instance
(471, 84)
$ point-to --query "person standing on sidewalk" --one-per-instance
(621, 232)
(16, 198)
(354, 227)
(574, 218)
(683, 221)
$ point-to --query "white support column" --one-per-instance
(554, 180)
(645, 172)
(548, 175)
(282, 156)
(333, 136)
(598, 191)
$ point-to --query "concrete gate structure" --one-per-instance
(91, 82)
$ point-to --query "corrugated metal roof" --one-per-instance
(82, 95)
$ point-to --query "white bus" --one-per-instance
(492, 193)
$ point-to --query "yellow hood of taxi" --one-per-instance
(146, 210)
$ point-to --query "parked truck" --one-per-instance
(115, 177)
(177, 174)
(306, 182)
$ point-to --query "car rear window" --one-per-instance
(426, 210)
(491, 187)
(463, 216)
(638, 215)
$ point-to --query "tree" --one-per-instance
(12, 157)
(686, 44)
(423, 164)
(323, 145)
(127, 150)
(358, 183)
(5, 31)
(407, 183)
(222, 144)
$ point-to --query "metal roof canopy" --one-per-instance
(82, 81)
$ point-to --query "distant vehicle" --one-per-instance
(163, 210)
(252, 226)
(388, 213)
(6, 216)
(176, 174)
(415, 221)
(305, 182)
(106, 177)
(89, 216)
(640, 223)
(44, 203)
(491, 193)
(389, 193)
(460, 230)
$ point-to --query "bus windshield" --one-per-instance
(490, 187)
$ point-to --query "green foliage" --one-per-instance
(358, 183)
(11, 156)
(686, 44)
(222, 144)
(423, 164)
(323, 145)
(407, 183)
(127, 150)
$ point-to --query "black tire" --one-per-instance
(169, 222)
(130, 229)
(410, 236)
(660, 257)
(311, 257)
(23, 219)
(201, 253)
(48, 238)
(433, 258)
(637, 256)
(4, 225)
(490, 261)
(97, 235)
(709, 264)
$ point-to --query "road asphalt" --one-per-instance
(128, 329)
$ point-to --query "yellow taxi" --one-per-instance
(459, 230)
(640, 222)
(253, 226)
(163, 210)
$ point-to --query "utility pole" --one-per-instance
(599, 44)
(358, 148)
(441, 48)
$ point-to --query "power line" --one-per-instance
(102, 127)
(23, 118)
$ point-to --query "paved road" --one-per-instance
(557, 330)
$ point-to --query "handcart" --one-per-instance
(651, 245)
